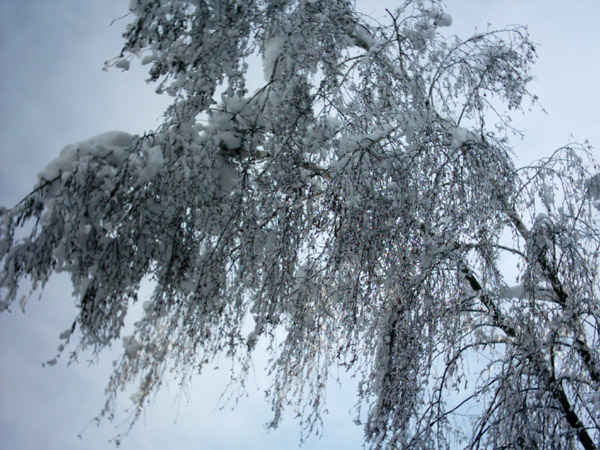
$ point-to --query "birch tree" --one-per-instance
(352, 211)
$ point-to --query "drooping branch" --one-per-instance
(546, 374)
(582, 348)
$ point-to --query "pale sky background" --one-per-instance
(53, 92)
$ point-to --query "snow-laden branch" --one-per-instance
(350, 212)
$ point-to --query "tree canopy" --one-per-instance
(351, 210)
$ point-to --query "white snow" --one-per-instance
(363, 38)
(154, 162)
(147, 306)
(226, 176)
(137, 6)
(65, 334)
(148, 59)
(444, 20)
(111, 145)
(272, 51)
(460, 135)
(221, 126)
(592, 185)
(131, 345)
(111, 139)
(547, 194)
(122, 64)
(236, 104)
(230, 140)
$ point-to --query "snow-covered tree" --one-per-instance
(353, 209)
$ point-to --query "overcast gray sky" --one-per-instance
(53, 92)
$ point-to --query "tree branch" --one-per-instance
(554, 386)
